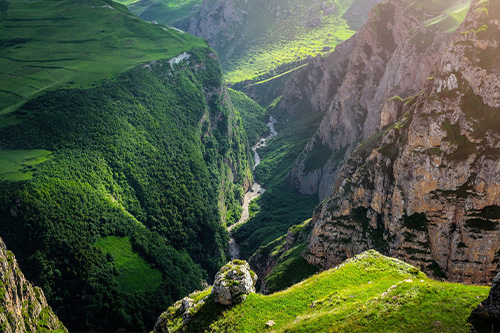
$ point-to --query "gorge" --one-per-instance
(348, 150)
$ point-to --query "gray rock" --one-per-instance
(233, 283)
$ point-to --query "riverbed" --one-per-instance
(253, 193)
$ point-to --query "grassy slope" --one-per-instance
(53, 44)
(268, 42)
(253, 116)
(290, 267)
(369, 293)
(134, 273)
(163, 11)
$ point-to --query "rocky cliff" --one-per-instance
(426, 189)
(391, 55)
(23, 307)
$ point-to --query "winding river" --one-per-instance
(254, 192)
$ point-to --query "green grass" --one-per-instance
(290, 267)
(134, 273)
(451, 18)
(369, 293)
(277, 42)
(163, 11)
(253, 116)
(17, 165)
(53, 44)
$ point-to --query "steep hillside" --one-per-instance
(260, 39)
(23, 308)
(47, 45)
(172, 12)
(121, 158)
(368, 293)
(392, 55)
(426, 188)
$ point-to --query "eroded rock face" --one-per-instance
(233, 283)
(23, 306)
(427, 189)
(392, 55)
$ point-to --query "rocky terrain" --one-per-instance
(391, 55)
(426, 189)
(23, 307)
(486, 316)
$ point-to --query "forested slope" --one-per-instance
(114, 194)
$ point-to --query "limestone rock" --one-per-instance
(391, 55)
(24, 307)
(427, 189)
(234, 282)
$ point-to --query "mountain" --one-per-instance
(425, 189)
(367, 293)
(122, 160)
(23, 306)
(392, 55)
(260, 39)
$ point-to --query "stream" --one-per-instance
(255, 191)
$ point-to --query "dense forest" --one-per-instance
(151, 164)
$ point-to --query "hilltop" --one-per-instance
(367, 293)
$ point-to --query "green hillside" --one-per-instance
(260, 39)
(52, 44)
(163, 11)
(368, 293)
(280, 33)
(121, 158)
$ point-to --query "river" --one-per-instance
(255, 191)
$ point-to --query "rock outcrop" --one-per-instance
(487, 314)
(427, 188)
(392, 55)
(23, 307)
(233, 283)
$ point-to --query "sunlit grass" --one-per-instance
(63, 44)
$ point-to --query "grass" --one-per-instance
(53, 44)
(451, 18)
(276, 42)
(17, 165)
(369, 293)
(163, 11)
(134, 273)
(254, 117)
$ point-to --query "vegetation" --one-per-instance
(281, 206)
(134, 273)
(290, 267)
(369, 293)
(45, 45)
(253, 116)
(175, 12)
(109, 184)
(270, 38)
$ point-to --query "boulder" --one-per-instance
(486, 317)
(233, 283)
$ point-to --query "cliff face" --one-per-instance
(392, 55)
(427, 189)
(23, 306)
